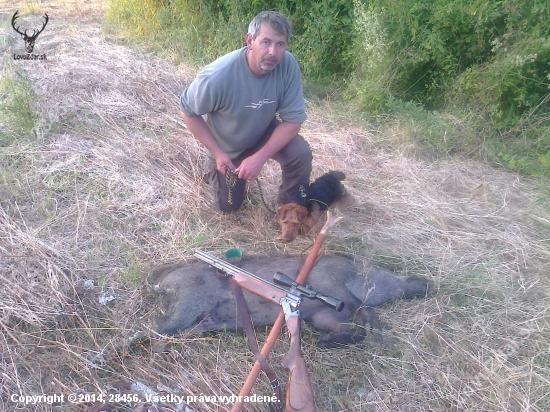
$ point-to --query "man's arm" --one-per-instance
(197, 126)
(250, 167)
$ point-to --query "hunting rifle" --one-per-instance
(299, 395)
(279, 322)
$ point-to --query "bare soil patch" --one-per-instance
(111, 186)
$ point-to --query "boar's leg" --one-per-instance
(381, 286)
(342, 330)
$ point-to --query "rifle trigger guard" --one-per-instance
(220, 274)
(290, 306)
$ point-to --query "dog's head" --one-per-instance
(291, 215)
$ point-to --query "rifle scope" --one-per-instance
(306, 291)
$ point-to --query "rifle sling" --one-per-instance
(246, 322)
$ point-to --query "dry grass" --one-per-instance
(111, 186)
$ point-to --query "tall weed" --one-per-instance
(134, 17)
(373, 72)
(483, 63)
(18, 119)
(202, 30)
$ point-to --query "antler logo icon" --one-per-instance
(28, 38)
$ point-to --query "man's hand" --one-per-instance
(250, 168)
(223, 161)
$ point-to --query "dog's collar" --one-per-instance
(318, 201)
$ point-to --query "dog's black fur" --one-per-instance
(324, 191)
(309, 202)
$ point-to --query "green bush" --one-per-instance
(373, 72)
(431, 43)
(323, 34)
(203, 30)
(484, 63)
(18, 118)
(509, 86)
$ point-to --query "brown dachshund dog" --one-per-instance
(307, 205)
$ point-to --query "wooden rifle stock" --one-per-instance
(259, 288)
(279, 322)
(299, 395)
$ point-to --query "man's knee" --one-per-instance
(227, 198)
(296, 152)
(303, 150)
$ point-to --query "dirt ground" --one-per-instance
(109, 187)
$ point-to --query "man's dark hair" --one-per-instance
(276, 20)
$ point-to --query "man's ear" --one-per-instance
(249, 41)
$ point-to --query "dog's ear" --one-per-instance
(281, 212)
(301, 212)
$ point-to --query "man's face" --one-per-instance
(266, 51)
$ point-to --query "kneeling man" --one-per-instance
(247, 107)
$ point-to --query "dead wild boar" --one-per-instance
(195, 300)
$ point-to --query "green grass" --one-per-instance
(18, 118)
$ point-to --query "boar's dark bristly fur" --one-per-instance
(195, 300)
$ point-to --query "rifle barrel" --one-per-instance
(230, 269)
(279, 278)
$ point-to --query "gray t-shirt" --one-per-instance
(238, 106)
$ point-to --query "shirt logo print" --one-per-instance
(260, 103)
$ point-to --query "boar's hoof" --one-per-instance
(350, 334)
(336, 339)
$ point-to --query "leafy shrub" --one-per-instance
(18, 118)
(323, 34)
(206, 29)
(485, 63)
(473, 50)
(433, 41)
(481, 62)
(512, 84)
(373, 72)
